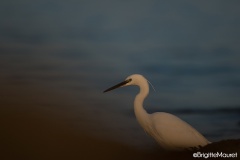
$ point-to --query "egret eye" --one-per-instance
(129, 80)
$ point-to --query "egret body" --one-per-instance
(169, 131)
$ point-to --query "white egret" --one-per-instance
(169, 131)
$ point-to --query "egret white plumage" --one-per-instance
(168, 130)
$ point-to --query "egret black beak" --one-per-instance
(118, 85)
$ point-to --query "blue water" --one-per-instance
(73, 51)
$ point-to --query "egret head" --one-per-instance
(130, 80)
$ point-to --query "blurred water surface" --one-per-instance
(57, 57)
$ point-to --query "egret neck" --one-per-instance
(140, 113)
